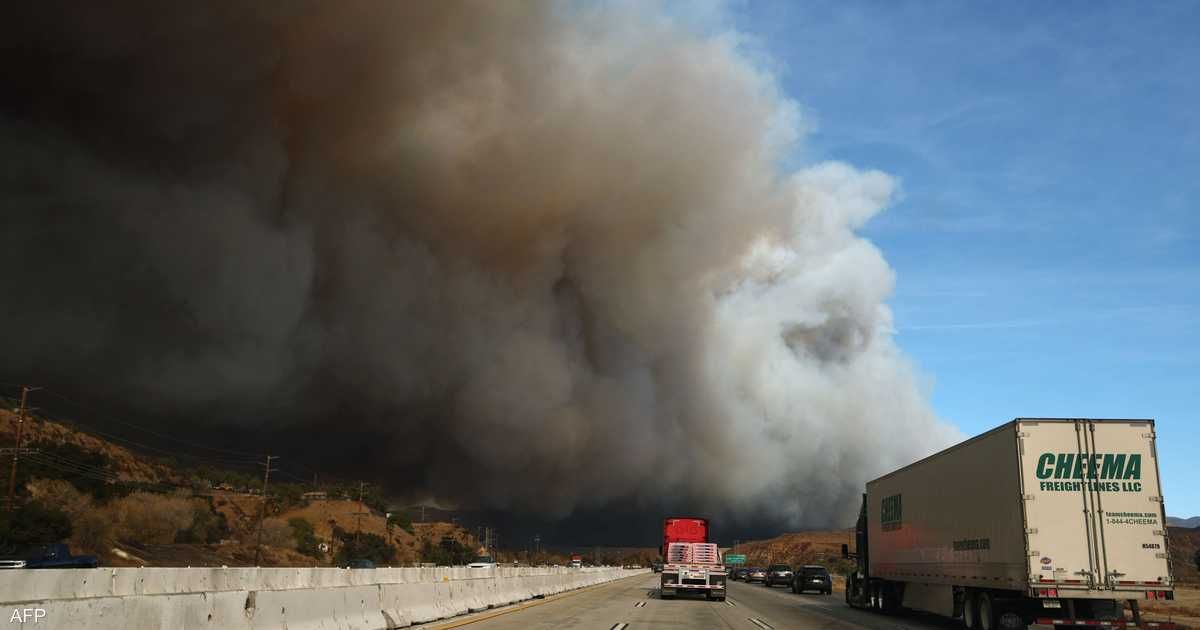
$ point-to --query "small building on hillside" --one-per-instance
(316, 495)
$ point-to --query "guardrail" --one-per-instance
(259, 598)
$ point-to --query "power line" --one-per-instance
(73, 471)
(76, 464)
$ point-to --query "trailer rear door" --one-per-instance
(1057, 522)
(1133, 545)
(1092, 503)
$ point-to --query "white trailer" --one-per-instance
(1039, 523)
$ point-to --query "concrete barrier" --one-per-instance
(291, 599)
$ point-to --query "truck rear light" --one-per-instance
(1047, 592)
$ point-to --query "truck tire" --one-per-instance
(987, 612)
(970, 616)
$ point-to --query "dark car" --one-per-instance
(740, 573)
(778, 574)
(812, 577)
(657, 567)
(756, 574)
(52, 556)
(360, 563)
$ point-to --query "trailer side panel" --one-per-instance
(953, 519)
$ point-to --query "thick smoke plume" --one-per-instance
(539, 257)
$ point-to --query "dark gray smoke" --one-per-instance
(536, 256)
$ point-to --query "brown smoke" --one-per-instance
(541, 257)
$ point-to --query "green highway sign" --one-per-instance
(735, 558)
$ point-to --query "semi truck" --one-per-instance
(691, 564)
(1039, 523)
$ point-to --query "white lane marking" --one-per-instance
(619, 626)
(640, 605)
(730, 602)
(760, 623)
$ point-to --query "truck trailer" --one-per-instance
(1038, 523)
(691, 564)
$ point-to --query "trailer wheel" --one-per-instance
(987, 612)
(969, 616)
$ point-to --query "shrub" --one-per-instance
(208, 526)
(152, 518)
(277, 533)
(34, 523)
(60, 493)
(306, 538)
(95, 531)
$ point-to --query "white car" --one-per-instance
(483, 562)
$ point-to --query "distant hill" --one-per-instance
(1175, 521)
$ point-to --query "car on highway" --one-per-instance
(756, 574)
(812, 577)
(483, 562)
(359, 563)
(657, 567)
(778, 574)
(740, 573)
(52, 556)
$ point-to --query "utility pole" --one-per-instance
(12, 475)
(262, 515)
(359, 515)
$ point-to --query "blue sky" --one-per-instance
(1047, 237)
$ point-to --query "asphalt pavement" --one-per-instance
(634, 602)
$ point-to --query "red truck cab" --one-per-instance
(688, 530)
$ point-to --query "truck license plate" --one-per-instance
(1051, 603)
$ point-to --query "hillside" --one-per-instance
(125, 464)
(1184, 543)
(133, 509)
(1175, 521)
(811, 547)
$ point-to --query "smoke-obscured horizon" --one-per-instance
(529, 256)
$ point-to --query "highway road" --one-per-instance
(634, 601)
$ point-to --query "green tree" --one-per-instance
(372, 547)
(449, 552)
(401, 520)
(306, 538)
(33, 524)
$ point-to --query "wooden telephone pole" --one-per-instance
(262, 515)
(358, 515)
(16, 453)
